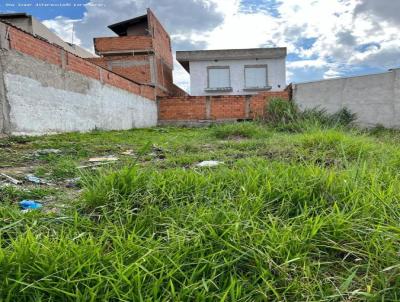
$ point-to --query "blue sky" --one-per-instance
(324, 38)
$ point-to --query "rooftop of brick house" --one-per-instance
(135, 26)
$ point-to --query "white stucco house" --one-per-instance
(234, 71)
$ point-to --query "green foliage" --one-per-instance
(343, 117)
(380, 130)
(286, 116)
(20, 139)
(282, 112)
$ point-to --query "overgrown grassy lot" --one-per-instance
(298, 211)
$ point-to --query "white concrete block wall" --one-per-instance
(198, 75)
(37, 109)
(43, 99)
(374, 98)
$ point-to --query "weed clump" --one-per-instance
(286, 116)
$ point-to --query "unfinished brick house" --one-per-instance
(141, 52)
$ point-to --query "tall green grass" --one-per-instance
(258, 231)
(307, 216)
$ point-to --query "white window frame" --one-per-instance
(210, 89)
(265, 87)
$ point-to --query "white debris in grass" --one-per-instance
(209, 163)
(47, 151)
(127, 152)
(11, 179)
(32, 178)
(103, 159)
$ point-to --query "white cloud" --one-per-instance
(340, 36)
(318, 63)
(64, 28)
(332, 73)
(242, 30)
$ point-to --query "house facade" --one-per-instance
(235, 71)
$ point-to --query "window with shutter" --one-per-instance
(256, 77)
(218, 77)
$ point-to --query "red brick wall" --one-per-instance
(182, 108)
(102, 62)
(228, 107)
(164, 74)
(161, 39)
(191, 108)
(135, 68)
(82, 66)
(123, 43)
(34, 47)
(25, 43)
(139, 74)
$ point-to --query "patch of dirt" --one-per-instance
(328, 162)
(157, 152)
(17, 171)
(56, 204)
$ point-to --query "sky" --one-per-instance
(324, 38)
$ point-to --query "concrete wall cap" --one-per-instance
(184, 57)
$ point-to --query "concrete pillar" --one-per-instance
(208, 107)
(153, 70)
(63, 55)
(247, 106)
(4, 42)
(158, 101)
(4, 105)
(4, 46)
(101, 77)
